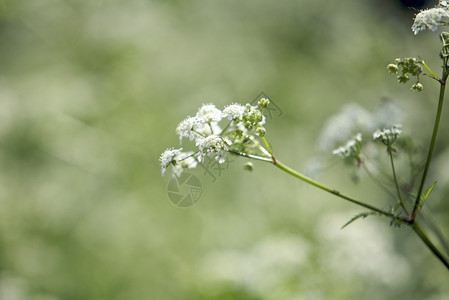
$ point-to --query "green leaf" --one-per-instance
(427, 193)
(396, 222)
(361, 215)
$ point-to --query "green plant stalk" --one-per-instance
(268, 147)
(376, 181)
(252, 156)
(431, 148)
(315, 183)
(401, 203)
(438, 233)
(330, 190)
(416, 227)
(422, 235)
(435, 76)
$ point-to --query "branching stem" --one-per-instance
(422, 235)
(432, 141)
(398, 190)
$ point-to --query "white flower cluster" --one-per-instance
(234, 111)
(213, 145)
(248, 118)
(204, 123)
(190, 128)
(388, 135)
(351, 148)
(245, 122)
(179, 160)
(431, 18)
(209, 113)
(353, 118)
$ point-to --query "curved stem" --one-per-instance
(377, 181)
(436, 230)
(416, 227)
(434, 76)
(332, 191)
(422, 235)
(431, 148)
(401, 203)
(256, 157)
(226, 128)
(267, 145)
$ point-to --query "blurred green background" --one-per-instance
(90, 95)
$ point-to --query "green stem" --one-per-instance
(401, 203)
(436, 230)
(268, 146)
(316, 184)
(256, 157)
(416, 227)
(376, 181)
(431, 148)
(435, 76)
(226, 128)
(330, 190)
(422, 235)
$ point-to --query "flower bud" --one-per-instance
(445, 39)
(417, 87)
(263, 103)
(248, 167)
(403, 78)
(392, 68)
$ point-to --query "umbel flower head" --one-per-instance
(213, 145)
(431, 18)
(244, 125)
(352, 149)
(407, 66)
(234, 112)
(388, 135)
(168, 157)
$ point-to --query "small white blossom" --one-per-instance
(213, 145)
(209, 113)
(246, 124)
(185, 160)
(263, 103)
(252, 118)
(417, 87)
(352, 147)
(190, 128)
(431, 18)
(344, 124)
(353, 118)
(340, 151)
(392, 68)
(397, 129)
(168, 157)
(388, 135)
(234, 111)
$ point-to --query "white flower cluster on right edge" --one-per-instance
(431, 18)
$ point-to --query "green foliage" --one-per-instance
(90, 92)
(424, 196)
(359, 216)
